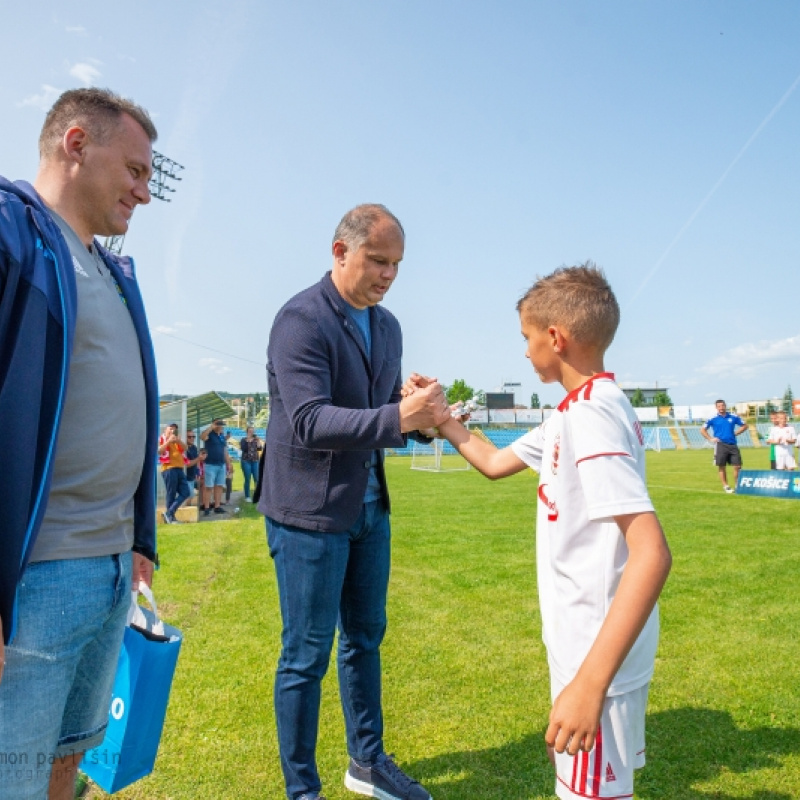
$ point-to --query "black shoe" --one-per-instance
(206, 512)
(384, 780)
(219, 510)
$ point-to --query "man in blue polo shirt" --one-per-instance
(725, 428)
(216, 465)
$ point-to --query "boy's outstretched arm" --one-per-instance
(575, 716)
(485, 457)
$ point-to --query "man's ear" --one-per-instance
(74, 143)
(339, 250)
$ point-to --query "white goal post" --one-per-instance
(652, 439)
(428, 458)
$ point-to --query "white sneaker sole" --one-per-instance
(367, 789)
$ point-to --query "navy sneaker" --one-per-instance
(167, 517)
(384, 780)
(311, 797)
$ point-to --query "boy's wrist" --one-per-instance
(593, 680)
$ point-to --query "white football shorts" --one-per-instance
(607, 770)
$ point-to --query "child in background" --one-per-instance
(602, 558)
(773, 419)
(782, 437)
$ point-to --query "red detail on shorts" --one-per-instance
(582, 794)
(610, 776)
(552, 514)
(574, 771)
(584, 772)
(639, 432)
(586, 388)
(598, 761)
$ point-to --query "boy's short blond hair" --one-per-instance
(578, 299)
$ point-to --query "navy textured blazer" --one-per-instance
(330, 408)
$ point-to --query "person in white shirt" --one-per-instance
(783, 436)
(602, 557)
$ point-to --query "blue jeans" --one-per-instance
(60, 668)
(325, 580)
(249, 470)
(177, 488)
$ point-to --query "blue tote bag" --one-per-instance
(139, 700)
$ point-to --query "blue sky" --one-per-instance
(659, 139)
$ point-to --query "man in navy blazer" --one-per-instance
(334, 382)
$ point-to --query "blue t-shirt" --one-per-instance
(724, 427)
(361, 318)
(215, 448)
(191, 453)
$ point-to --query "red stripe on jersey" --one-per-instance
(586, 388)
(598, 761)
(602, 455)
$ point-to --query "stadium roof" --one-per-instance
(203, 409)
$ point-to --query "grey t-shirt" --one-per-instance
(101, 441)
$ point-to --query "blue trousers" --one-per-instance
(249, 470)
(177, 488)
(327, 580)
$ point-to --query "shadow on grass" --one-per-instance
(518, 770)
(688, 746)
(685, 747)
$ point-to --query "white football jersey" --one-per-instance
(782, 436)
(590, 458)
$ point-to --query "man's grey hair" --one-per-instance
(357, 224)
(97, 111)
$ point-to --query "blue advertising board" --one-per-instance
(769, 483)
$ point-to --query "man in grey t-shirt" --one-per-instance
(90, 536)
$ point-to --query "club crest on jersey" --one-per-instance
(610, 776)
(552, 510)
(556, 451)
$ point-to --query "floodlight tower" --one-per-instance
(164, 169)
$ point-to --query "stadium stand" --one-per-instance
(763, 429)
(503, 437)
(695, 439)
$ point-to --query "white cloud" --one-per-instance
(79, 29)
(164, 329)
(183, 324)
(45, 100)
(86, 73)
(746, 360)
(215, 365)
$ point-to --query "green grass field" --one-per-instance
(465, 679)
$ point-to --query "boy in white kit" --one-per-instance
(783, 436)
(602, 558)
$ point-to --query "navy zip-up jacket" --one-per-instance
(38, 307)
